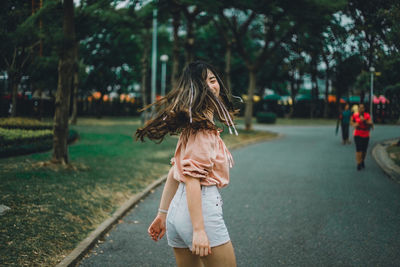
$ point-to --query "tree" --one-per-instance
(346, 73)
(229, 41)
(74, 115)
(144, 18)
(370, 29)
(392, 14)
(252, 62)
(66, 68)
(176, 22)
(18, 40)
(259, 28)
(190, 15)
(111, 44)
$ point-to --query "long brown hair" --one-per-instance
(185, 107)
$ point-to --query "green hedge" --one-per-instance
(27, 145)
(266, 117)
(24, 123)
(20, 136)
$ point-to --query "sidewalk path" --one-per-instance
(296, 201)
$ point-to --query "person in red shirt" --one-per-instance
(362, 123)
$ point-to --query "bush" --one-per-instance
(266, 117)
(20, 143)
(24, 123)
(21, 136)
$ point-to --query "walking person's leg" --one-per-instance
(364, 151)
(358, 142)
(345, 130)
(343, 126)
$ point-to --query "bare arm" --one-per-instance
(200, 243)
(353, 123)
(157, 228)
(370, 123)
(169, 190)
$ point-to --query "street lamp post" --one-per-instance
(164, 59)
(371, 93)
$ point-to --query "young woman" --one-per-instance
(362, 123)
(190, 210)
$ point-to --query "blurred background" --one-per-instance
(301, 58)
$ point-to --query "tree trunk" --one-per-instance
(189, 43)
(338, 96)
(314, 90)
(326, 106)
(66, 67)
(362, 96)
(145, 68)
(228, 56)
(14, 86)
(248, 112)
(327, 77)
(175, 49)
(74, 115)
(293, 93)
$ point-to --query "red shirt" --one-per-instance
(362, 129)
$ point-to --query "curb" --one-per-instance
(84, 246)
(73, 258)
(384, 161)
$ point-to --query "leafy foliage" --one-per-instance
(266, 117)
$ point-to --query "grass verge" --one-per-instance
(296, 121)
(394, 154)
(54, 208)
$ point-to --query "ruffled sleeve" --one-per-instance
(199, 155)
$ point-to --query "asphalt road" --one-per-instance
(295, 201)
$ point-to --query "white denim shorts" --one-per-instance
(179, 224)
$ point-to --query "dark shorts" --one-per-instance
(361, 143)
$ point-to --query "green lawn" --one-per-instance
(53, 209)
(301, 121)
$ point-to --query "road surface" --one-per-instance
(294, 201)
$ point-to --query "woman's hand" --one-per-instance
(157, 227)
(200, 243)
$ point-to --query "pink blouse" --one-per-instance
(203, 156)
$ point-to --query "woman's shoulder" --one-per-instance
(201, 133)
(198, 136)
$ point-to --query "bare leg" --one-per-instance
(358, 157)
(221, 256)
(185, 258)
(359, 161)
(363, 155)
